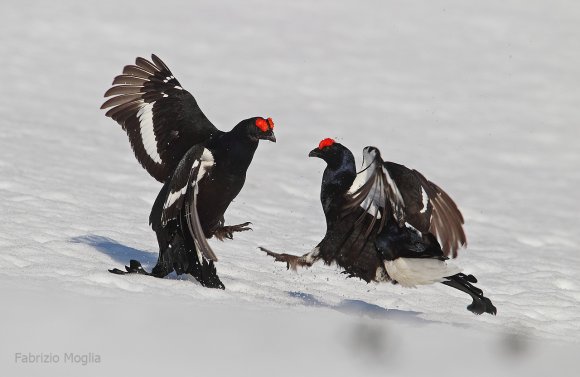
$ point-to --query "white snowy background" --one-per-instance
(483, 97)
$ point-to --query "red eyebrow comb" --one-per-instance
(325, 143)
(265, 125)
(262, 124)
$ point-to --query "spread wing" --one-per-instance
(163, 120)
(429, 209)
(385, 189)
(182, 193)
(376, 192)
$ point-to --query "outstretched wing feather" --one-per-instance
(377, 194)
(128, 80)
(163, 121)
(146, 65)
(389, 190)
(446, 221)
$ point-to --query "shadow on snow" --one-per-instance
(361, 308)
(122, 254)
(118, 252)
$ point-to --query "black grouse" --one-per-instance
(202, 168)
(387, 223)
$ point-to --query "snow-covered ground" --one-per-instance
(482, 97)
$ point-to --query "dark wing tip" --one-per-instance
(450, 224)
(146, 65)
(159, 63)
(136, 71)
(120, 100)
(446, 221)
(123, 89)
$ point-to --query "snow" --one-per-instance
(480, 97)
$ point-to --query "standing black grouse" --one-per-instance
(203, 169)
(387, 223)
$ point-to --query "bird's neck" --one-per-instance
(237, 150)
(336, 181)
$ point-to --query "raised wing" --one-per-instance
(385, 189)
(182, 193)
(435, 212)
(375, 191)
(163, 120)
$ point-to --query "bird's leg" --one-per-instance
(227, 231)
(134, 267)
(295, 261)
(480, 304)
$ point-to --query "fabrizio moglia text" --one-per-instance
(57, 358)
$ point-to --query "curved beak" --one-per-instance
(270, 137)
(315, 153)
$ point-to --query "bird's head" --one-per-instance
(331, 152)
(259, 128)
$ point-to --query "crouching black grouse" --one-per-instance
(387, 223)
(203, 169)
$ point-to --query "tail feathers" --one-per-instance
(173, 254)
(205, 272)
(182, 257)
(480, 304)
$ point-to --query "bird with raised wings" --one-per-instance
(202, 168)
(387, 223)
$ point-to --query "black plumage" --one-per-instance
(387, 223)
(202, 168)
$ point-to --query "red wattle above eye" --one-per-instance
(262, 124)
(325, 143)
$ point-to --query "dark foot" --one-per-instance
(134, 267)
(470, 278)
(229, 230)
(292, 261)
(480, 303)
